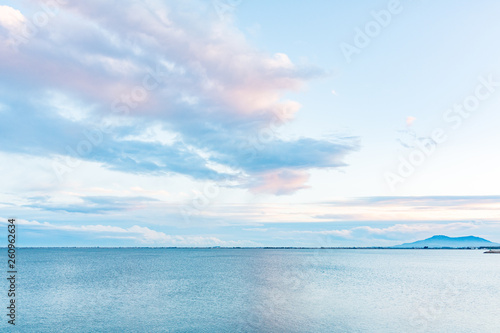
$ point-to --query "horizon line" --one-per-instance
(396, 247)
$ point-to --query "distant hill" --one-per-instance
(440, 241)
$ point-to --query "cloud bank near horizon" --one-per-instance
(135, 235)
(377, 221)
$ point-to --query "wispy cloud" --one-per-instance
(90, 204)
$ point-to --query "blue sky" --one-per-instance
(249, 123)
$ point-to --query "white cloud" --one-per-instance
(156, 134)
(12, 20)
(143, 235)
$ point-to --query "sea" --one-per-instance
(254, 290)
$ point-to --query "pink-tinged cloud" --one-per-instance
(12, 20)
(280, 182)
(410, 120)
(86, 52)
(168, 63)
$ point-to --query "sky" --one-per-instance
(249, 123)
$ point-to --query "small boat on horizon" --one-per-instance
(492, 251)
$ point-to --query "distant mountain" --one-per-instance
(440, 241)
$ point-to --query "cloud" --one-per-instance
(280, 182)
(90, 204)
(12, 20)
(142, 235)
(114, 71)
(436, 200)
(410, 120)
(337, 216)
(398, 231)
(256, 229)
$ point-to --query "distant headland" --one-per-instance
(440, 242)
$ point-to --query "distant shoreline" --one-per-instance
(261, 248)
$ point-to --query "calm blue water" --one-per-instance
(251, 290)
